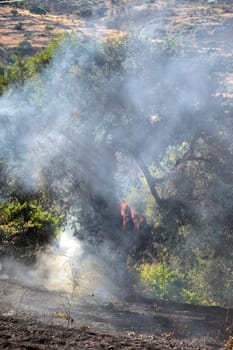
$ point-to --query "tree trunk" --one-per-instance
(150, 181)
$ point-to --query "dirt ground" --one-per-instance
(32, 317)
(28, 334)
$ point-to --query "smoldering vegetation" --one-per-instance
(104, 118)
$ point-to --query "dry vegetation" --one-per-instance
(200, 25)
(20, 25)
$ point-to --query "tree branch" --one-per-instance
(150, 180)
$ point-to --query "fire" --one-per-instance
(131, 219)
(126, 215)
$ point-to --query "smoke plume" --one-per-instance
(71, 122)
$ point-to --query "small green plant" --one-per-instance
(24, 48)
(14, 12)
(20, 5)
(101, 11)
(84, 11)
(190, 297)
(48, 28)
(19, 26)
(172, 45)
(39, 9)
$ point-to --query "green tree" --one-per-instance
(135, 104)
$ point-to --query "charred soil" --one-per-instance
(33, 317)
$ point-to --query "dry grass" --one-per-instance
(179, 19)
(39, 30)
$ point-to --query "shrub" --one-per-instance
(14, 12)
(84, 11)
(101, 11)
(25, 68)
(191, 297)
(19, 26)
(27, 224)
(20, 5)
(165, 283)
(48, 28)
(24, 48)
(39, 9)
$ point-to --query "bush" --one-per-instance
(101, 11)
(20, 5)
(48, 28)
(26, 68)
(84, 11)
(27, 225)
(19, 26)
(39, 9)
(14, 12)
(24, 48)
(165, 283)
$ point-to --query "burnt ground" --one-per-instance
(33, 317)
(28, 334)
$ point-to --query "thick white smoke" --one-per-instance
(70, 266)
(35, 122)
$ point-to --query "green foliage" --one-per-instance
(49, 27)
(27, 224)
(140, 198)
(19, 26)
(26, 68)
(172, 45)
(20, 5)
(3, 82)
(192, 224)
(165, 282)
(84, 11)
(39, 9)
(211, 280)
(24, 48)
(115, 50)
(101, 11)
(191, 297)
(14, 12)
